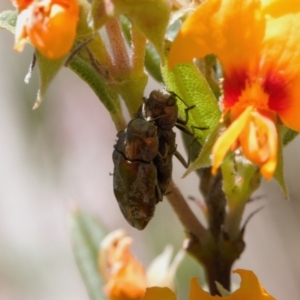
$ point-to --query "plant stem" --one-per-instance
(138, 47)
(213, 248)
(185, 214)
(118, 47)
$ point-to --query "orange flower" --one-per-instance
(258, 45)
(50, 25)
(126, 278)
(250, 289)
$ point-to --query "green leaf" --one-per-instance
(288, 136)
(204, 158)
(86, 235)
(8, 20)
(107, 95)
(279, 172)
(48, 68)
(151, 17)
(187, 82)
(131, 90)
(153, 62)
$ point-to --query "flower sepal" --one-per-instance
(240, 179)
(48, 67)
(285, 136)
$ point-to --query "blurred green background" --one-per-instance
(60, 154)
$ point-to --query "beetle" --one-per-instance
(135, 175)
(143, 157)
(161, 108)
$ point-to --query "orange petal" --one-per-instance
(50, 25)
(159, 293)
(228, 138)
(197, 293)
(212, 28)
(268, 127)
(250, 289)
(281, 55)
(125, 277)
(21, 4)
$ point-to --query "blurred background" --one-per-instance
(60, 154)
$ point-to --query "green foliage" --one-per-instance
(152, 58)
(204, 158)
(105, 93)
(187, 82)
(288, 136)
(150, 17)
(8, 20)
(48, 68)
(284, 135)
(86, 236)
(153, 62)
(241, 179)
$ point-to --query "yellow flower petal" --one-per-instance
(212, 28)
(258, 45)
(267, 138)
(159, 293)
(225, 141)
(281, 55)
(250, 289)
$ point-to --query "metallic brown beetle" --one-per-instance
(135, 176)
(143, 157)
(161, 108)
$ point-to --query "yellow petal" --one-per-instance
(250, 289)
(197, 293)
(281, 55)
(213, 28)
(228, 138)
(159, 293)
(267, 127)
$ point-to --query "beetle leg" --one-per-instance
(159, 196)
(181, 159)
